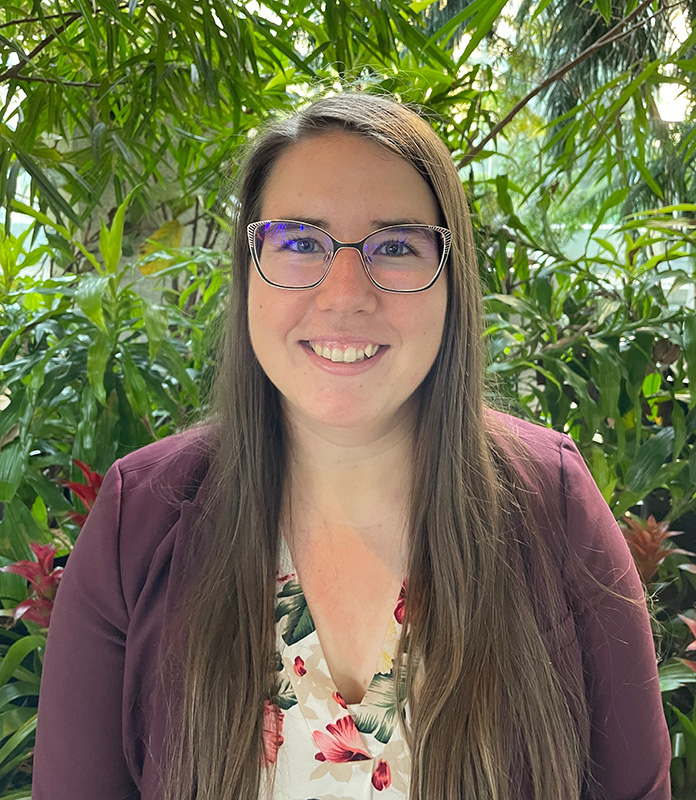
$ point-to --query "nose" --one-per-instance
(347, 287)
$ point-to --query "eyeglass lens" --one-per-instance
(294, 254)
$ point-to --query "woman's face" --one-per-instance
(350, 186)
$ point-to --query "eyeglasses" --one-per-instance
(399, 258)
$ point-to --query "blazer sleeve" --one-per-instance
(79, 752)
(630, 744)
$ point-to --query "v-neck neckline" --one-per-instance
(306, 667)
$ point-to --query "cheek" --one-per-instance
(273, 314)
(263, 317)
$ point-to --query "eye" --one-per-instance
(304, 246)
(301, 245)
(393, 247)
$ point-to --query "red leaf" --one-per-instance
(94, 479)
(35, 610)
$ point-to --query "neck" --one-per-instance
(339, 481)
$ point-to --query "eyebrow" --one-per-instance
(377, 223)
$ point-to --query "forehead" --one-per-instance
(346, 180)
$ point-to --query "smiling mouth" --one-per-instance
(347, 355)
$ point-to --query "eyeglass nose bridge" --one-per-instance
(337, 246)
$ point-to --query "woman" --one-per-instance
(351, 469)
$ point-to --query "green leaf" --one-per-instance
(18, 529)
(675, 674)
(13, 719)
(156, 327)
(481, 24)
(641, 475)
(17, 739)
(173, 362)
(647, 177)
(49, 223)
(504, 199)
(679, 425)
(97, 358)
(111, 241)
(89, 296)
(17, 690)
(97, 140)
(136, 390)
(689, 348)
(614, 199)
(13, 458)
(17, 653)
(606, 371)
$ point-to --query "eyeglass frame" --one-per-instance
(337, 245)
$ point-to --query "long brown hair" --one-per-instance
(483, 586)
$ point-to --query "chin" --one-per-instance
(345, 415)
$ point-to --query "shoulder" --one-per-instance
(547, 461)
(537, 438)
(172, 469)
(533, 449)
(149, 500)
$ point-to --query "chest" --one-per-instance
(351, 593)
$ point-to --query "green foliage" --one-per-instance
(593, 347)
(91, 369)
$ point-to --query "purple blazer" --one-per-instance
(101, 716)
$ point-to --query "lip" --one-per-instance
(342, 341)
(341, 367)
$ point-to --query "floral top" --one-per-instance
(321, 747)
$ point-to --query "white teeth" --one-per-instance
(348, 356)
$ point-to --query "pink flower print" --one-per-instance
(284, 578)
(272, 731)
(337, 697)
(381, 777)
(401, 603)
(341, 744)
(299, 667)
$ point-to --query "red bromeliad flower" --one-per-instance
(87, 492)
(381, 777)
(645, 541)
(341, 744)
(272, 731)
(691, 625)
(44, 582)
